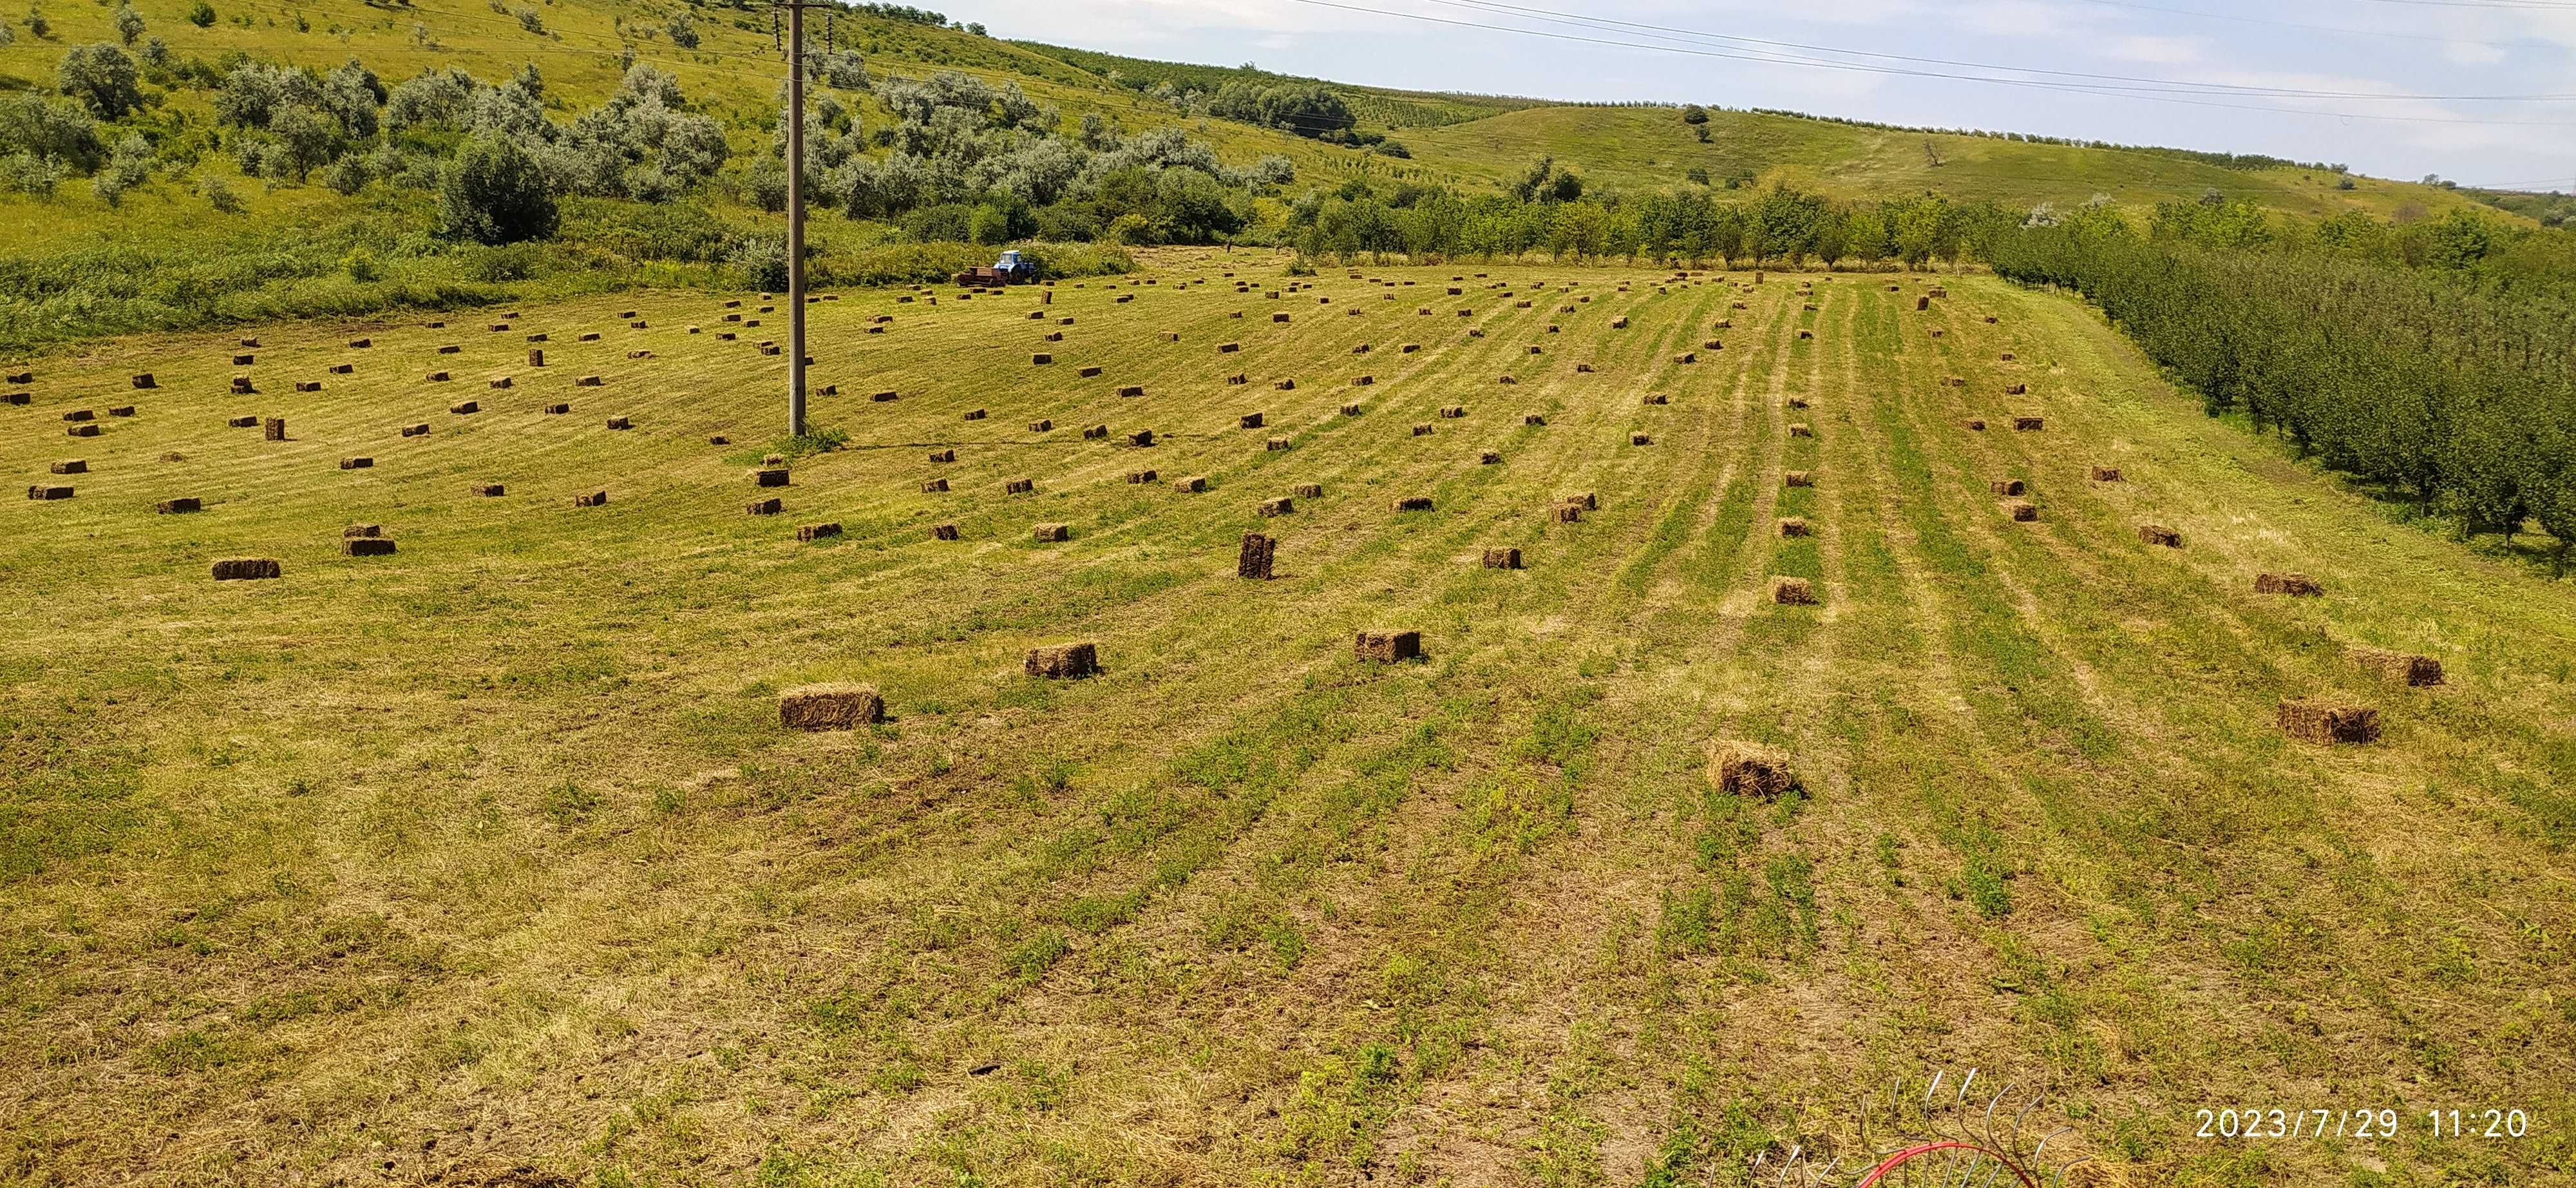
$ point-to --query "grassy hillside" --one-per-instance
(1461, 140)
(488, 862)
(1644, 148)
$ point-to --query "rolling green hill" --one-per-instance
(75, 262)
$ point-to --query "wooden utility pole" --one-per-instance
(795, 215)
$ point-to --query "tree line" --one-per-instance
(2460, 397)
(1548, 208)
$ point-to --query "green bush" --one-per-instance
(494, 193)
(101, 77)
(202, 14)
(761, 261)
(508, 262)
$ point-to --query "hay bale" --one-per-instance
(17, 398)
(2005, 487)
(2106, 474)
(1656, 398)
(1587, 500)
(1413, 503)
(1388, 647)
(1489, 458)
(1042, 425)
(2016, 389)
(2328, 722)
(465, 408)
(357, 463)
(1453, 411)
(1131, 391)
(1750, 769)
(558, 410)
(1041, 359)
(592, 499)
(22, 377)
(2399, 667)
(943, 532)
(1019, 486)
(1975, 424)
(974, 414)
(1638, 439)
(1286, 385)
(1797, 402)
(719, 439)
(436, 377)
(770, 477)
(243, 569)
(71, 466)
(1350, 409)
(1619, 323)
(1276, 443)
(2023, 512)
(1408, 348)
(179, 506)
(811, 532)
(1253, 561)
(1310, 490)
(2296, 585)
(489, 490)
(1228, 348)
(1141, 438)
(2028, 424)
(242, 386)
(1801, 429)
(1533, 419)
(1278, 506)
(1422, 430)
(274, 429)
(415, 430)
(1052, 533)
(620, 423)
(316, 385)
(1686, 357)
(1362, 381)
(1922, 303)
(1091, 372)
(1250, 420)
(1063, 661)
(1192, 485)
(1095, 432)
(587, 381)
(1141, 477)
(1792, 591)
(1279, 317)
(48, 492)
(1567, 513)
(830, 707)
(2158, 534)
(1798, 478)
(367, 546)
(764, 507)
(1238, 378)
(1793, 526)
(1502, 558)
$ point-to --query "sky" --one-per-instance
(2392, 88)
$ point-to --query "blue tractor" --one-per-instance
(1011, 269)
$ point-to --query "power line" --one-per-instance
(2246, 20)
(1854, 67)
(2177, 86)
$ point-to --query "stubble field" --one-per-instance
(488, 862)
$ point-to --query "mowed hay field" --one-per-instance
(488, 861)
